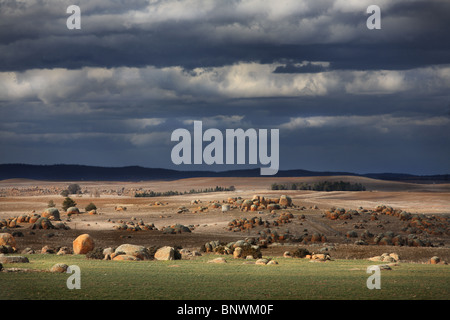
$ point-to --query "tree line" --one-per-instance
(320, 186)
(177, 193)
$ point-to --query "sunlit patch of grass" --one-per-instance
(196, 279)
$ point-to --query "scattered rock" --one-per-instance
(384, 267)
(72, 210)
(218, 260)
(13, 259)
(83, 244)
(47, 250)
(51, 213)
(7, 239)
(59, 267)
(165, 253)
(27, 251)
(320, 257)
(262, 261)
(435, 260)
(137, 251)
(125, 257)
(64, 251)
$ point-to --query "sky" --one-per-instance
(343, 97)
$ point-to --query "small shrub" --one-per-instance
(67, 203)
(74, 188)
(97, 253)
(300, 253)
(90, 207)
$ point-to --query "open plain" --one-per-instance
(405, 219)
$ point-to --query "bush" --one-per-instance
(300, 253)
(51, 204)
(97, 253)
(65, 193)
(90, 207)
(67, 203)
(74, 188)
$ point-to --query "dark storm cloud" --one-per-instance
(344, 97)
(216, 33)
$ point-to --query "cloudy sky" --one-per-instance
(345, 98)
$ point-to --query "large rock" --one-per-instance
(51, 213)
(237, 253)
(125, 257)
(165, 253)
(285, 201)
(13, 259)
(218, 260)
(42, 223)
(83, 244)
(262, 261)
(435, 260)
(7, 239)
(73, 210)
(139, 252)
(59, 267)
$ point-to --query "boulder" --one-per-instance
(384, 267)
(125, 257)
(7, 239)
(42, 223)
(83, 244)
(285, 201)
(59, 267)
(7, 249)
(435, 260)
(376, 258)
(64, 251)
(137, 251)
(73, 210)
(320, 257)
(51, 213)
(13, 259)
(165, 253)
(237, 253)
(47, 250)
(262, 261)
(218, 260)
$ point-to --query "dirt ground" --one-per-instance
(19, 197)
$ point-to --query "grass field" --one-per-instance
(291, 279)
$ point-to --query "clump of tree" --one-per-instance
(177, 193)
(320, 186)
(73, 188)
(67, 203)
(90, 207)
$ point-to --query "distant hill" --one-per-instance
(64, 172)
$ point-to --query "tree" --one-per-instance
(67, 203)
(74, 188)
(90, 207)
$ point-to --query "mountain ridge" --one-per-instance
(74, 172)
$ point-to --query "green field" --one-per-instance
(291, 279)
